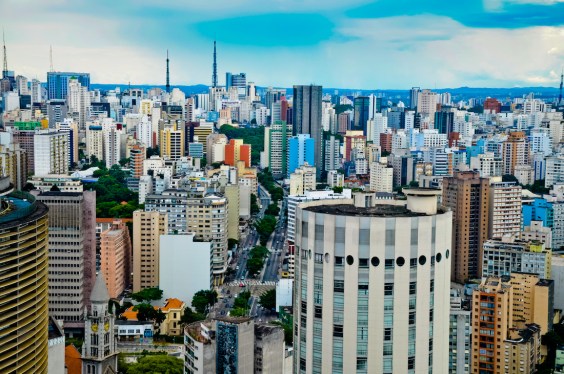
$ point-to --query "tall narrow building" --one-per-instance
(372, 286)
(307, 118)
(23, 299)
(72, 253)
(147, 229)
(115, 257)
(468, 196)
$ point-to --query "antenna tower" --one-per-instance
(214, 75)
(5, 66)
(51, 58)
(167, 74)
(561, 84)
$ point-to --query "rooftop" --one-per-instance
(380, 210)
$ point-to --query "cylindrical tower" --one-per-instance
(23, 284)
(371, 291)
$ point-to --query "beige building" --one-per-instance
(147, 227)
(505, 209)
(468, 196)
(171, 143)
(115, 257)
(427, 104)
(303, 179)
(232, 194)
(537, 232)
(515, 151)
(381, 176)
(95, 141)
(13, 164)
(372, 284)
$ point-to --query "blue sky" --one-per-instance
(336, 43)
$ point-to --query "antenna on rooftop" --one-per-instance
(51, 58)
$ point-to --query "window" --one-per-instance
(338, 331)
(339, 286)
(412, 288)
(339, 261)
(388, 289)
(387, 334)
(363, 263)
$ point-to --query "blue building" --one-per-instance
(58, 82)
(538, 210)
(301, 149)
(196, 150)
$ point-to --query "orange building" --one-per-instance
(492, 105)
(235, 151)
(115, 257)
(137, 156)
(73, 362)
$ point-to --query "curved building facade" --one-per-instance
(23, 284)
(371, 291)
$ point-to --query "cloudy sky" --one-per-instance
(336, 43)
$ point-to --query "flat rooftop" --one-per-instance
(379, 210)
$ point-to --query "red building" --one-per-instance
(386, 142)
(235, 151)
(492, 104)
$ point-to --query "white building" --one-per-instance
(505, 210)
(554, 170)
(112, 146)
(381, 176)
(51, 152)
(487, 164)
(177, 254)
(95, 141)
(375, 127)
(335, 179)
(145, 131)
(303, 179)
(370, 279)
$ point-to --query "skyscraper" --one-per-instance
(275, 157)
(372, 286)
(361, 113)
(24, 319)
(239, 81)
(468, 196)
(51, 152)
(57, 83)
(307, 118)
(301, 149)
(413, 96)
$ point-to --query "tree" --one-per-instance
(190, 316)
(163, 364)
(238, 312)
(231, 243)
(202, 299)
(153, 151)
(509, 178)
(124, 161)
(268, 299)
(147, 312)
(272, 210)
(28, 187)
(254, 206)
(265, 227)
(288, 333)
(338, 189)
(254, 265)
(148, 294)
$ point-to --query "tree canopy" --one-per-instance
(202, 299)
(268, 299)
(156, 364)
(250, 135)
(147, 312)
(148, 294)
(191, 316)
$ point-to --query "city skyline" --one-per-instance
(365, 45)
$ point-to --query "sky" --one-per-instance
(384, 44)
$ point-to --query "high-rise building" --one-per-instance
(95, 142)
(137, 155)
(303, 179)
(78, 101)
(112, 145)
(99, 354)
(515, 151)
(23, 345)
(372, 286)
(58, 83)
(459, 334)
(505, 209)
(468, 196)
(275, 156)
(72, 252)
(307, 118)
(361, 113)
(172, 143)
(147, 229)
(493, 105)
(51, 152)
(239, 81)
(413, 96)
(444, 120)
(381, 176)
(427, 103)
(301, 149)
(13, 163)
(115, 257)
(172, 203)
(235, 151)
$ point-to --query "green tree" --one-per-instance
(157, 364)
(231, 243)
(147, 312)
(509, 178)
(338, 189)
(202, 299)
(238, 312)
(265, 227)
(153, 151)
(254, 206)
(148, 294)
(272, 210)
(191, 316)
(288, 331)
(254, 265)
(124, 161)
(268, 299)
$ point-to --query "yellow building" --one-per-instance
(173, 311)
(23, 292)
(532, 300)
(232, 195)
(147, 228)
(171, 142)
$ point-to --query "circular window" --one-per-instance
(327, 257)
(422, 260)
(400, 261)
(438, 257)
(447, 253)
(375, 261)
(350, 260)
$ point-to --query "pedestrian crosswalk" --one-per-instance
(250, 282)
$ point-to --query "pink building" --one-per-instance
(115, 257)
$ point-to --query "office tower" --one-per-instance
(301, 149)
(51, 152)
(172, 143)
(381, 176)
(236, 151)
(307, 118)
(508, 255)
(515, 151)
(427, 103)
(208, 221)
(303, 179)
(361, 113)
(56, 112)
(275, 156)
(36, 88)
(468, 196)
(372, 286)
(459, 334)
(505, 209)
(24, 276)
(72, 252)
(78, 101)
(58, 83)
(493, 105)
(147, 228)
(413, 96)
(444, 120)
(239, 81)
(115, 257)
(112, 145)
(505, 325)
(201, 130)
(375, 105)
(233, 345)
(99, 353)
(21, 85)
